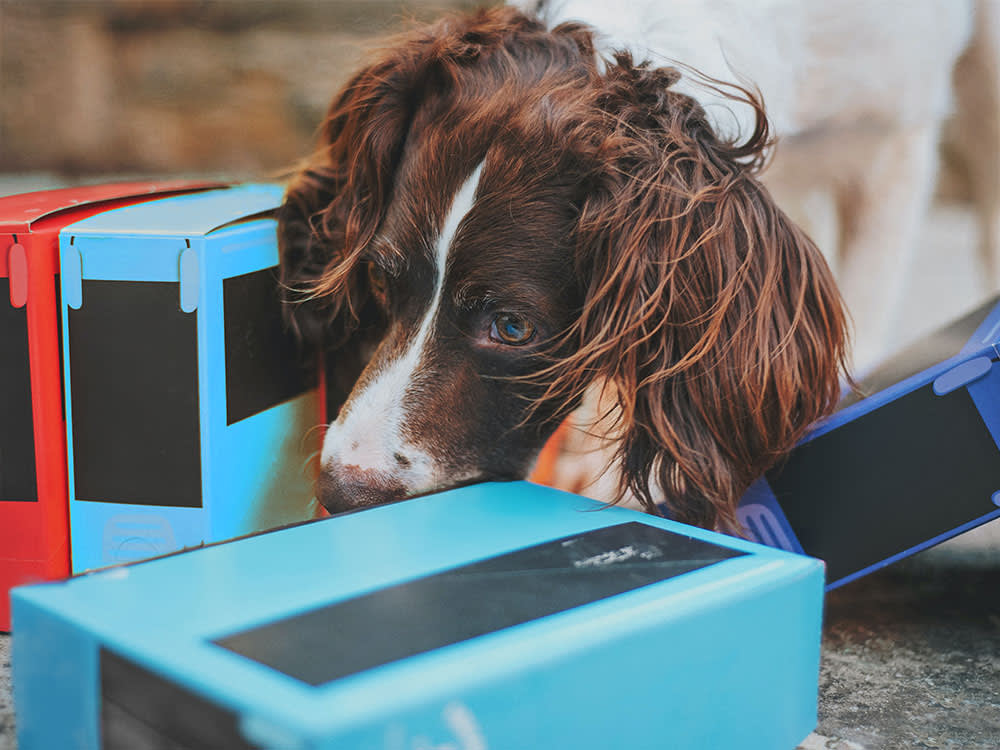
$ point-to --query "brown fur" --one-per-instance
(656, 260)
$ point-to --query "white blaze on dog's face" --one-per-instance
(434, 407)
(491, 224)
(368, 448)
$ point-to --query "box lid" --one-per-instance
(18, 213)
(217, 613)
(187, 216)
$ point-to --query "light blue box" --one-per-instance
(187, 412)
(491, 616)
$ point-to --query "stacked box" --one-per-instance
(34, 541)
(913, 464)
(187, 412)
(492, 616)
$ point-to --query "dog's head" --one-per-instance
(496, 223)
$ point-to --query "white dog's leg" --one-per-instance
(882, 214)
(974, 135)
(815, 208)
(586, 463)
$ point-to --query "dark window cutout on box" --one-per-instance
(262, 358)
(400, 621)
(140, 709)
(17, 431)
(134, 377)
(890, 480)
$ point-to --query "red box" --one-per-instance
(34, 533)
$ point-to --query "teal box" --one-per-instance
(491, 616)
(186, 410)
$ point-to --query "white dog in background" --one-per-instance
(859, 94)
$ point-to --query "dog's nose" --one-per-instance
(343, 487)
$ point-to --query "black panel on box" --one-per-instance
(897, 477)
(943, 344)
(17, 431)
(142, 711)
(400, 621)
(134, 379)
(262, 357)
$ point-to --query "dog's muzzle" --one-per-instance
(345, 487)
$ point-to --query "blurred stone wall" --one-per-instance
(221, 87)
(171, 86)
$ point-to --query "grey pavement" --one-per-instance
(911, 655)
(7, 741)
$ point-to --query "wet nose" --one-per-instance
(343, 487)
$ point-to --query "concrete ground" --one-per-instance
(7, 740)
(911, 655)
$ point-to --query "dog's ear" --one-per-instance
(713, 316)
(337, 200)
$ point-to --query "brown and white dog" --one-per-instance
(499, 219)
(859, 95)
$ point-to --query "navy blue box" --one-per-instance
(909, 466)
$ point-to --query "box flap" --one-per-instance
(186, 216)
(19, 212)
(17, 265)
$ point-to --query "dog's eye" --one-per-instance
(378, 282)
(512, 329)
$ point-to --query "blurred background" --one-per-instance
(222, 87)
(236, 89)
(108, 87)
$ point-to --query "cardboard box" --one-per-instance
(34, 540)
(187, 413)
(913, 464)
(492, 616)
